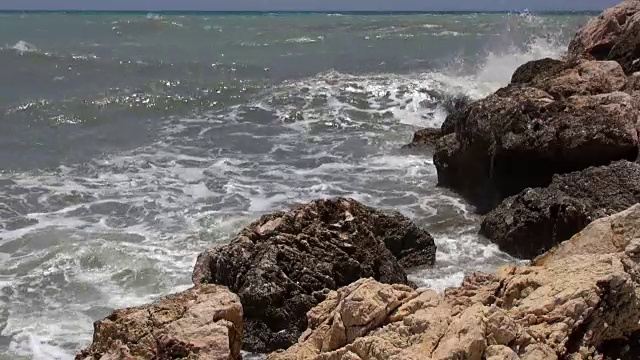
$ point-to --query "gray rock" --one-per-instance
(532, 222)
(284, 264)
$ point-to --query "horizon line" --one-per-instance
(550, 11)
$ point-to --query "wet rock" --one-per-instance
(456, 111)
(285, 263)
(532, 222)
(427, 138)
(204, 322)
(424, 139)
(537, 69)
(611, 234)
(568, 309)
(294, 116)
(599, 36)
(521, 136)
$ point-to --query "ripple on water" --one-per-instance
(126, 227)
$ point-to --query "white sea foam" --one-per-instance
(500, 65)
(124, 229)
(24, 47)
(303, 40)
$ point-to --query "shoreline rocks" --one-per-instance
(532, 222)
(610, 36)
(286, 263)
(574, 308)
(606, 235)
(522, 135)
(545, 156)
(204, 322)
(424, 139)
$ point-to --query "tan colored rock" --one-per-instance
(347, 314)
(466, 336)
(598, 36)
(204, 322)
(607, 235)
(587, 78)
(500, 352)
(566, 309)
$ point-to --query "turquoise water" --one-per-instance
(131, 141)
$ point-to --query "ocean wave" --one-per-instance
(152, 16)
(450, 33)
(124, 228)
(304, 40)
(24, 47)
(500, 64)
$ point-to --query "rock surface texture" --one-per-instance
(425, 138)
(606, 235)
(523, 134)
(574, 308)
(532, 222)
(204, 322)
(611, 36)
(556, 116)
(286, 263)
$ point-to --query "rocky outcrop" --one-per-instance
(585, 78)
(556, 116)
(535, 220)
(204, 322)
(611, 36)
(521, 136)
(285, 263)
(427, 138)
(424, 139)
(538, 69)
(574, 308)
(607, 235)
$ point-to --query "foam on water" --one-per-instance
(124, 229)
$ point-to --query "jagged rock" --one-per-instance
(600, 35)
(537, 69)
(532, 222)
(521, 136)
(204, 322)
(626, 50)
(606, 235)
(425, 138)
(285, 263)
(573, 308)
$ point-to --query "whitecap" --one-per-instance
(301, 40)
(24, 47)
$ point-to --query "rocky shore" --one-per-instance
(550, 160)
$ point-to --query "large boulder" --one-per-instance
(537, 69)
(611, 36)
(575, 308)
(611, 234)
(535, 220)
(626, 51)
(522, 135)
(204, 322)
(285, 263)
